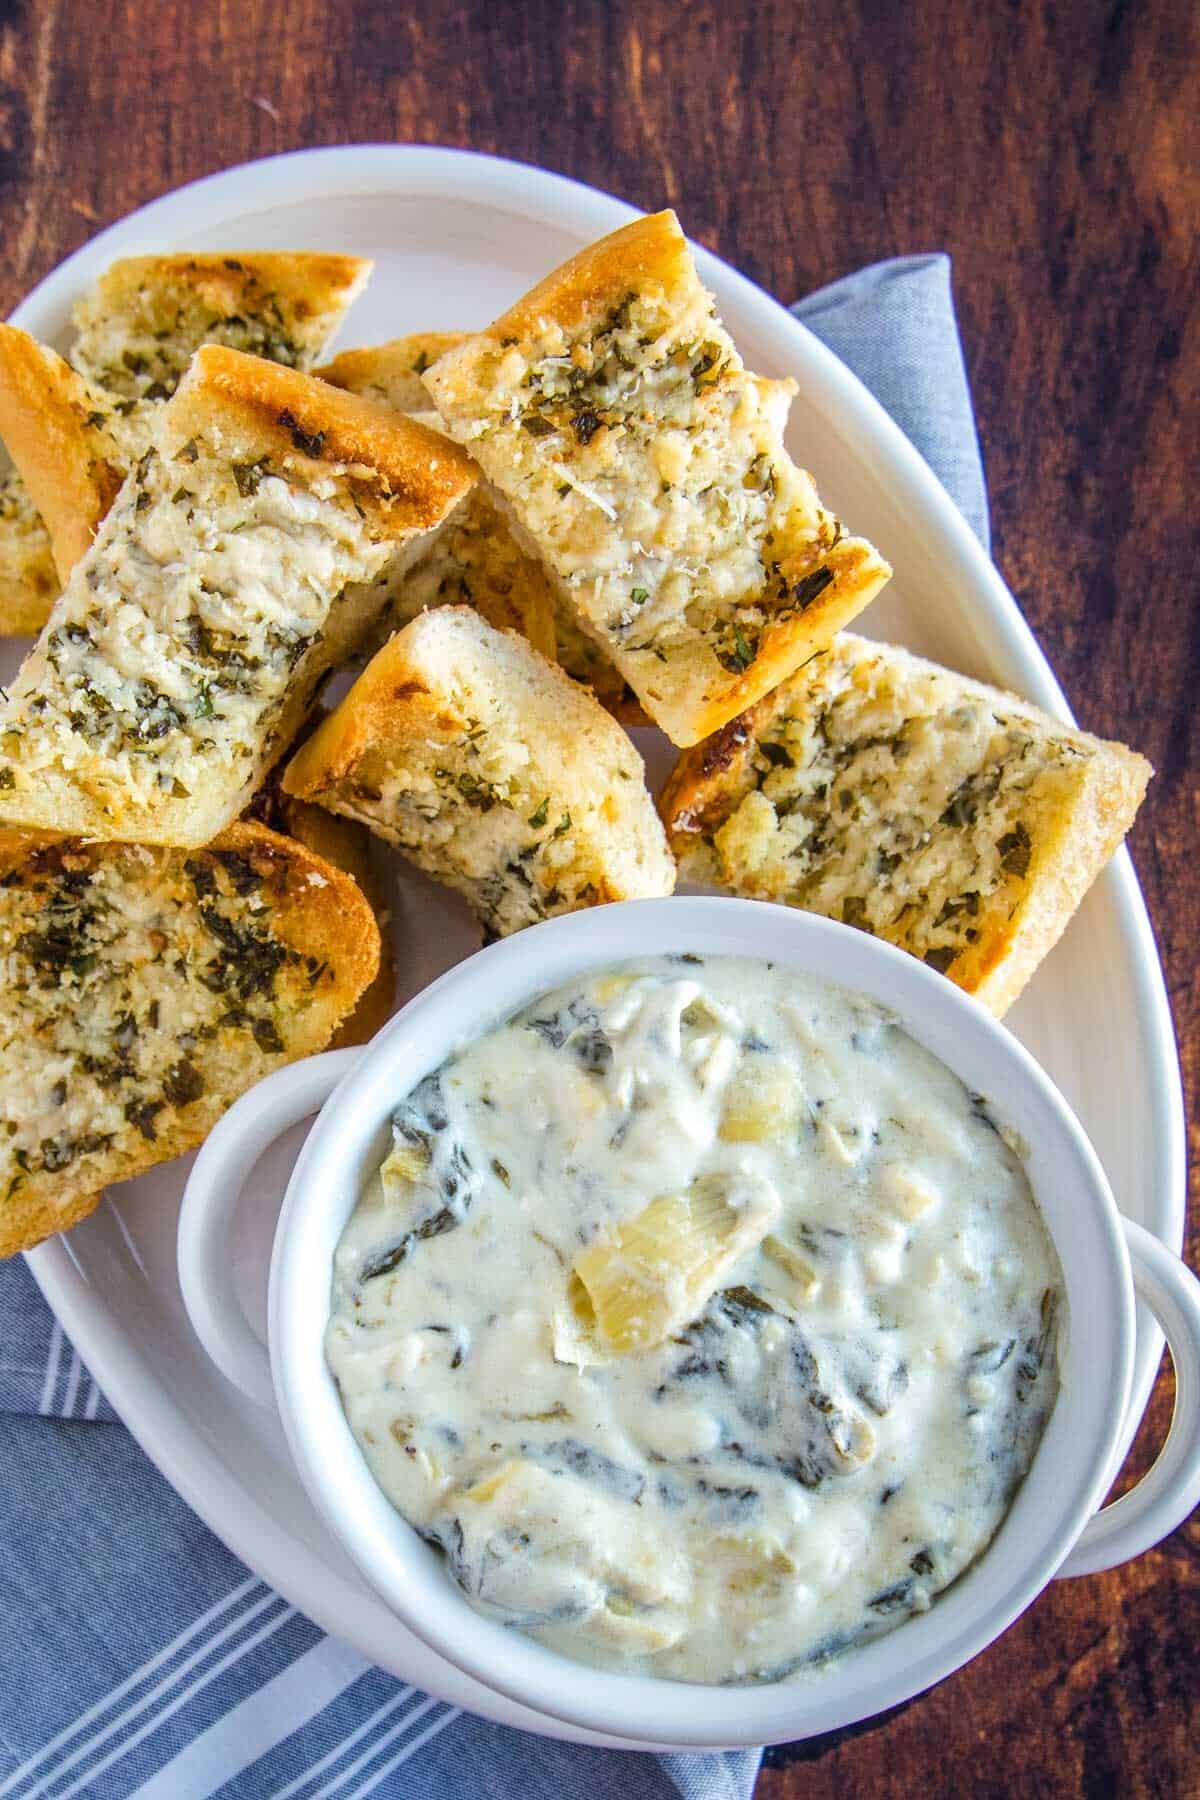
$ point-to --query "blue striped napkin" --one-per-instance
(137, 1656)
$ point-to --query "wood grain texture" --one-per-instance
(1052, 147)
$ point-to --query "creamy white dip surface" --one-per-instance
(703, 1318)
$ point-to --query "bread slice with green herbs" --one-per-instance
(492, 771)
(250, 552)
(74, 432)
(145, 990)
(140, 325)
(647, 468)
(948, 817)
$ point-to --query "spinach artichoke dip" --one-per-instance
(704, 1319)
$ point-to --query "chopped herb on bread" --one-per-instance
(249, 553)
(647, 468)
(948, 817)
(74, 432)
(492, 771)
(145, 990)
(477, 560)
(139, 327)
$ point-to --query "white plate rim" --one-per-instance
(170, 1441)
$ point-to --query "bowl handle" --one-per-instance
(1165, 1496)
(213, 1190)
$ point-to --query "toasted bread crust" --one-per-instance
(700, 788)
(387, 697)
(315, 910)
(648, 253)
(311, 282)
(304, 424)
(51, 424)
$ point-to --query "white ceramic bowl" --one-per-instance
(1049, 1529)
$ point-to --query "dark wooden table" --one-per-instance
(1053, 148)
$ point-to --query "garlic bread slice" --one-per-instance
(146, 989)
(249, 553)
(492, 771)
(138, 329)
(952, 819)
(647, 468)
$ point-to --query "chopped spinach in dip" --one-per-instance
(703, 1318)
